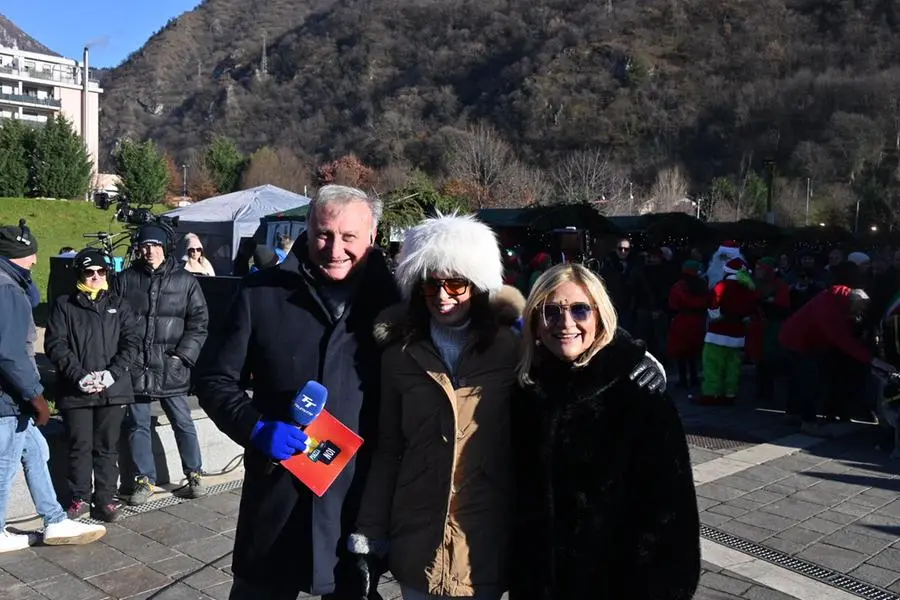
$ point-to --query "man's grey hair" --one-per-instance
(339, 195)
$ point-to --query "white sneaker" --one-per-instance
(10, 542)
(69, 532)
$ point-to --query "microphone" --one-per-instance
(308, 403)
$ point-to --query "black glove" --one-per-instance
(356, 577)
(649, 375)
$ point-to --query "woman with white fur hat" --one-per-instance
(438, 493)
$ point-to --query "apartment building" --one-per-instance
(33, 87)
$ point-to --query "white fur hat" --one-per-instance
(454, 244)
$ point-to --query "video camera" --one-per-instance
(134, 217)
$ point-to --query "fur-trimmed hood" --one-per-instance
(390, 325)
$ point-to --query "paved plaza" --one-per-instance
(784, 516)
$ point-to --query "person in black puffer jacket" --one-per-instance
(173, 321)
(92, 340)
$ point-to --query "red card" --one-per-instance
(320, 466)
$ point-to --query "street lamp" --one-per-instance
(183, 181)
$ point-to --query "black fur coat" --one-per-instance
(604, 489)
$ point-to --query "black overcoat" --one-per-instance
(281, 335)
(604, 488)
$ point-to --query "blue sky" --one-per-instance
(119, 26)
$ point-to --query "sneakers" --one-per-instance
(10, 542)
(70, 532)
(78, 508)
(108, 513)
(142, 491)
(195, 487)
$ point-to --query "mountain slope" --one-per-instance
(11, 35)
(810, 84)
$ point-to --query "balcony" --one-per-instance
(30, 100)
(54, 76)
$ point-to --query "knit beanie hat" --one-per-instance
(88, 258)
(17, 242)
(734, 265)
(459, 245)
(691, 267)
(766, 263)
(152, 234)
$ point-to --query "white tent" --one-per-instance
(222, 221)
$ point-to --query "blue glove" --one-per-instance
(278, 439)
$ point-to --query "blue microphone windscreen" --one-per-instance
(309, 403)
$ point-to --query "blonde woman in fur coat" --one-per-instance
(194, 261)
(438, 497)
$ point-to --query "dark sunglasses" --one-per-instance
(554, 313)
(453, 287)
(197, 250)
(96, 272)
(624, 248)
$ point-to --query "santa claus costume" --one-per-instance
(731, 304)
(715, 272)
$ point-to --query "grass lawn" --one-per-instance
(57, 223)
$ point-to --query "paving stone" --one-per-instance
(223, 524)
(208, 550)
(740, 483)
(7, 580)
(843, 488)
(783, 545)
(876, 575)
(176, 566)
(87, 560)
(21, 592)
(148, 521)
(832, 557)
(819, 495)
(728, 510)
(889, 558)
(712, 519)
(130, 581)
(221, 591)
(836, 517)
(67, 587)
(888, 534)
(871, 501)
(854, 541)
(177, 591)
(766, 473)
(892, 509)
(705, 593)
(746, 531)
(793, 509)
(192, 512)
(763, 593)
(748, 505)
(763, 496)
(799, 482)
(767, 520)
(724, 583)
(140, 547)
(206, 577)
(702, 455)
(719, 492)
(800, 535)
(8, 558)
(888, 494)
(172, 535)
(781, 490)
(707, 566)
(33, 570)
(851, 508)
(821, 525)
(799, 461)
(225, 504)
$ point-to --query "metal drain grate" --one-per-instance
(126, 511)
(797, 565)
(708, 442)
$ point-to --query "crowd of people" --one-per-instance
(517, 435)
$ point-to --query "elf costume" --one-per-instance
(732, 302)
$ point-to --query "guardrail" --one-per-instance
(25, 99)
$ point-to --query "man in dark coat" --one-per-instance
(173, 320)
(309, 318)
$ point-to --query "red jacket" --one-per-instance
(824, 323)
(731, 303)
(688, 326)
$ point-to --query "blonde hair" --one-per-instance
(546, 284)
